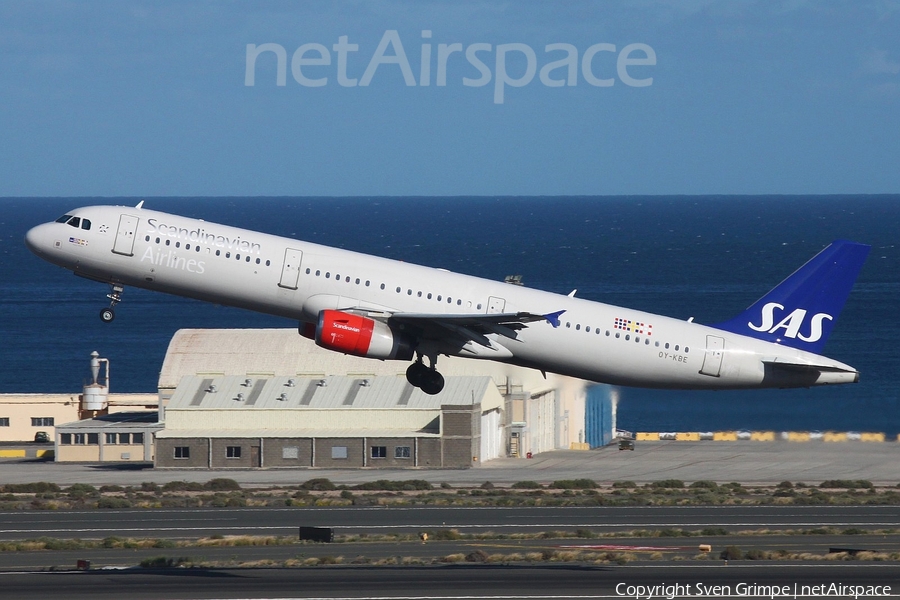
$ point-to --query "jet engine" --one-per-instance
(361, 336)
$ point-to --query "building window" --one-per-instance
(78, 438)
(124, 438)
(4, 421)
(137, 438)
(339, 452)
(65, 438)
(42, 421)
(290, 452)
(379, 451)
(232, 452)
(182, 452)
(111, 438)
(402, 452)
(93, 438)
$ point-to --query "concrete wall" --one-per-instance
(298, 418)
(199, 453)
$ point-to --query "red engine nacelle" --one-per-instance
(361, 336)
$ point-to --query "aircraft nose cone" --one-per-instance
(34, 238)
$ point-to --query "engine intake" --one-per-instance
(361, 336)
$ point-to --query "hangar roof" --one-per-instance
(283, 352)
(331, 392)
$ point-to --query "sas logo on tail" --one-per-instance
(791, 323)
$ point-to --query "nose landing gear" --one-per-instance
(115, 296)
(425, 378)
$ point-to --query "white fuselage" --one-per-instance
(296, 280)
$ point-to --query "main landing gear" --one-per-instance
(425, 378)
(115, 296)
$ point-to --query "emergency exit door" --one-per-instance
(712, 360)
(290, 271)
(124, 243)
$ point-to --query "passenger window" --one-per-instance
(367, 283)
(187, 246)
(157, 240)
(568, 325)
(146, 238)
(168, 242)
(429, 295)
(237, 257)
(357, 281)
(85, 224)
(459, 302)
(318, 272)
(398, 290)
(327, 274)
(307, 271)
(247, 259)
(268, 263)
(686, 350)
(409, 292)
(419, 294)
(382, 286)
(347, 279)
(337, 277)
(439, 298)
(257, 261)
(479, 307)
(578, 327)
(178, 244)
(676, 347)
(627, 337)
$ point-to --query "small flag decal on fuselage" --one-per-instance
(633, 326)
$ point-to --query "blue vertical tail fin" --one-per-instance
(800, 311)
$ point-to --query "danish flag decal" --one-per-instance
(801, 310)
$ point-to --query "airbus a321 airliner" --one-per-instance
(384, 309)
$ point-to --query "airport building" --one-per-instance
(273, 399)
(270, 394)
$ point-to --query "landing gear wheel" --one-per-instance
(107, 315)
(433, 384)
(426, 379)
(416, 374)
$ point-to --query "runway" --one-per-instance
(470, 582)
(195, 523)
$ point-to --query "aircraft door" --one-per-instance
(290, 271)
(496, 305)
(124, 243)
(712, 360)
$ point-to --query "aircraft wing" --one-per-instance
(468, 327)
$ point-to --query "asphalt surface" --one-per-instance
(452, 581)
(203, 522)
(744, 461)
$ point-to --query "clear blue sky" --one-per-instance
(719, 97)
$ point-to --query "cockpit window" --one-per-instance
(74, 222)
(85, 224)
(63, 218)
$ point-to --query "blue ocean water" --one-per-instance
(703, 257)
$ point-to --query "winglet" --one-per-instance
(140, 204)
(553, 318)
